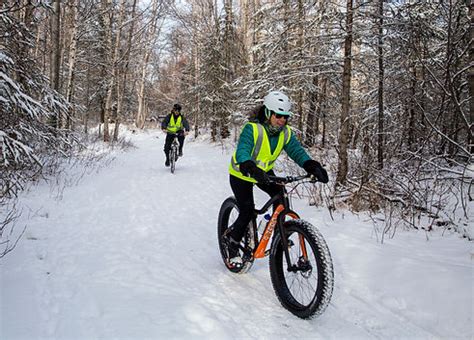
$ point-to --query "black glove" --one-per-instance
(261, 176)
(314, 168)
(249, 168)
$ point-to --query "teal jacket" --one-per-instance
(246, 143)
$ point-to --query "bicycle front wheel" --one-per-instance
(303, 286)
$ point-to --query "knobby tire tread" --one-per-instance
(324, 270)
(173, 159)
(222, 225)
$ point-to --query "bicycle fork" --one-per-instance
(277, 216)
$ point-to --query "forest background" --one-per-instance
(382, 90)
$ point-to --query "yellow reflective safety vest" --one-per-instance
(175, 125)
(261, 152)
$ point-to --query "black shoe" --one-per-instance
(233, 249)
(167, 163)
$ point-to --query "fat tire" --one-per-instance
(324, 270)
(226, 209)
(172, 159)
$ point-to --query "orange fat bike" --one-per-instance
(300, 263)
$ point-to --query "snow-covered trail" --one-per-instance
(131, 253)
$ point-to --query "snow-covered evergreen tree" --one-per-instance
(29, 141)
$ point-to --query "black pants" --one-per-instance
(243, 192)
(169, 140)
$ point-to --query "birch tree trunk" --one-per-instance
(106, 12)
(72, 62)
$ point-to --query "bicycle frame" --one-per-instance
(175, 141)
(277, 219)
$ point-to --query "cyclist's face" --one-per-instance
(278, 120)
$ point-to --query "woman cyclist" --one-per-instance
(260, 143)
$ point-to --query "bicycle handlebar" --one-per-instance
(291, 179)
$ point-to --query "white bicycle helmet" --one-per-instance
(278, 102)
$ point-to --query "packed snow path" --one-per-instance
(131, 253)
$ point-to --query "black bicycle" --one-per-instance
(301, 266)
(174, 153)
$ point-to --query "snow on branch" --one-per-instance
(13, 149)
(18, 99)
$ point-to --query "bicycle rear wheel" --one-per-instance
(172, 159)
(227, 215)
(305, 289)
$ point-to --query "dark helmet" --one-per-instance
(177, 107)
